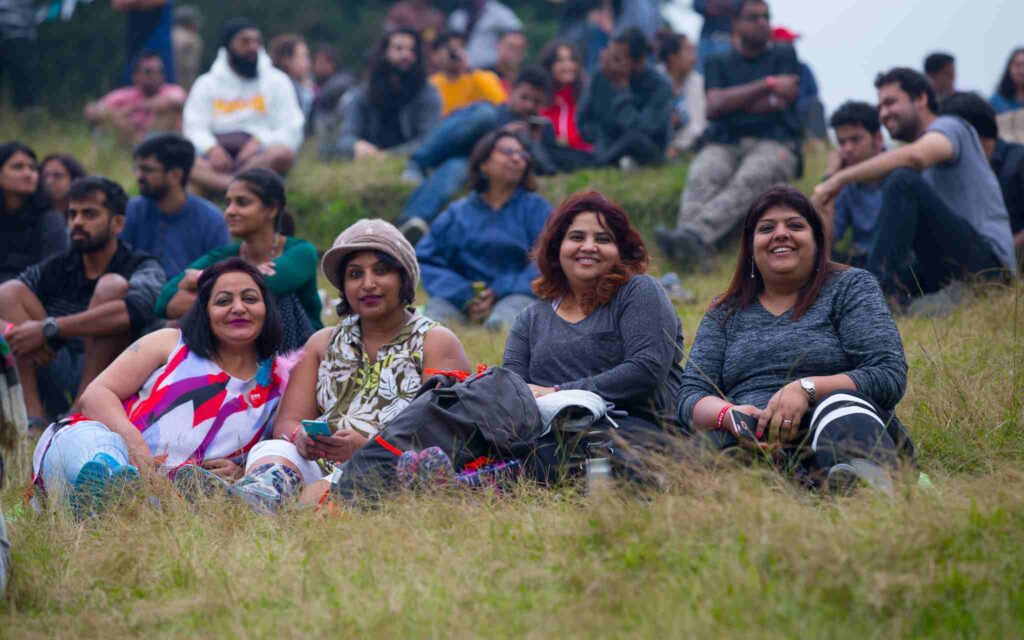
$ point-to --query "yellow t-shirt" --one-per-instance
(468, 88)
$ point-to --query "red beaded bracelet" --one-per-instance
(295, 434)
(721, 415)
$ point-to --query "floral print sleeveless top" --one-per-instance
(354, 393)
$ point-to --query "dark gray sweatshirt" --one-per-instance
(627, 351)
(753, 354)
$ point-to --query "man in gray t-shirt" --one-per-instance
(942, 214)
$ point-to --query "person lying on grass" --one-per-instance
(203, 395)
(805, 346)
(356, 376)
(256, 215)
(601, 324)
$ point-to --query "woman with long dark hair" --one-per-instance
(803, 345)
(256, 215)
(1009, 95)
(203, 394)
(57, 171)
(30, 230)
(601, 324)
(395, 108)
(476, 257)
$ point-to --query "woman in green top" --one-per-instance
(256, 216)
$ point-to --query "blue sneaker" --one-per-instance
(99, 480)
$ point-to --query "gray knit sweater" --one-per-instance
(750, 356)
(627, 351)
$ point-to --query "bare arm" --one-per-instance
(299, 401)
(102, 320)
(725, 101)
(103, 399)
(930, 149)
(185, 296)
(442, 350)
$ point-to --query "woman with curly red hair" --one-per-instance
(601, 324)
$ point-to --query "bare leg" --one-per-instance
(278, 157)
(313, 493)
(100, 351)
(18, 304)
(208, 179)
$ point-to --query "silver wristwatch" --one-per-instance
(50, 329)
(808, 386)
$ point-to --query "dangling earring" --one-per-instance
(751, 268)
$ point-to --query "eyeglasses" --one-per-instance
(509, 152)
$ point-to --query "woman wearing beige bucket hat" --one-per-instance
(355, 377)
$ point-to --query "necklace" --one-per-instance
(244, 249)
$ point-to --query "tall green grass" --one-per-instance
(715, 553)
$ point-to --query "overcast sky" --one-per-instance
(846, 42)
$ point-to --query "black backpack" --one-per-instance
(492, 414)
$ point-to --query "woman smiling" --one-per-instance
(356, 377)
(256, 216)
(805, 346)
(204, 395)
(601, 323)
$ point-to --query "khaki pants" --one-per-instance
(725, 179)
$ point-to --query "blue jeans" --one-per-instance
(456, 135)
(74, 445)
(502, 315)
(920, 244)
(428, 200)
(446, 150)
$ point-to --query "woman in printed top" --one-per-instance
(601, 324)
(356, 376)
(203, 394)
(805, 346)
(561, 59)
(476, 258)
(256, 216)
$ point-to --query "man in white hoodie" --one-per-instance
(242, 113)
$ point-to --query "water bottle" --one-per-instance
(599, 475)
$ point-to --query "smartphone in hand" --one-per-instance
(314, 428)
(744, 425)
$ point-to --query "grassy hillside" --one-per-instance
(718, 553)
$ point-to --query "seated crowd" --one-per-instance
(159, 334)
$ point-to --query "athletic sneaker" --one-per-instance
(98, 481)
(194, 482)
(685, 249)
(414, 229)
(845, 477)
(412, 174)
(677, 293)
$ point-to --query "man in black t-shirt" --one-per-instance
(752, 140)
(69, 316)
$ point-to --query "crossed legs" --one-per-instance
(19, 305)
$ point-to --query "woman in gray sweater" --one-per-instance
(805, 346)
(601, 323)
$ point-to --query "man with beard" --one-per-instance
(243, 113)
(69, 316)
(752, 139)
(942, 214)
(166, 221)
(149, 104)
(395, 108)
